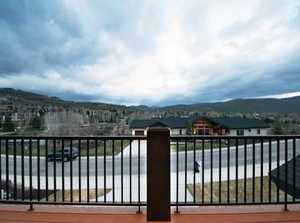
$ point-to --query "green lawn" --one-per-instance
(110, 149)
(31, 131)
(240, 188)
(67, 194)
(207, 144)
(198, 146)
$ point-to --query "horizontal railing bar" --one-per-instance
(183, 137)
(233, 203)
(74, 203)
(75, 137)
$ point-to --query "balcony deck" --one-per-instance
(62, 214)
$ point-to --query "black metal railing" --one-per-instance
(235, 170)
(73, 170)
(205, 170)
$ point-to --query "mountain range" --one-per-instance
(262, 105)
(29, 98)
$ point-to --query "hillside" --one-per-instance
(267, 105)
(270, 105)
(28, 98)
(61, 117)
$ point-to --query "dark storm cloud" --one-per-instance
(280, 79)
(35, 34)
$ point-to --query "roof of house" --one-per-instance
(280, 181)
(173, 122)
(239, 123)
(170, 122)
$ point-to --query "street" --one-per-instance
(89, 165)
(112, 178)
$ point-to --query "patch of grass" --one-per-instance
(84, 193)
(29, 131)
(110, 149)
(190, 146)
(207, 144)
(240, 191)
(118, 147)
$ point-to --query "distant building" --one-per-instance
(177, 125)
(229, 126)
(204, 126)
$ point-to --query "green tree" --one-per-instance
(268, 120)
(36, 122)
(277, 129)
(189, 128)
(8, 125)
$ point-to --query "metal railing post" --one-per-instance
(158, 174)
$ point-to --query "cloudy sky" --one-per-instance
(151, 52)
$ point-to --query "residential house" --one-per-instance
(204, 126)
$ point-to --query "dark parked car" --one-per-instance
(66, 154)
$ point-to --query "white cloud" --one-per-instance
(158, 51)
(279, 96)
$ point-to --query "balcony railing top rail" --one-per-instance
(234, 137)
(75, 137)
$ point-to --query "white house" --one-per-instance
(204, 126)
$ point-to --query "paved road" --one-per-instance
(90, 164)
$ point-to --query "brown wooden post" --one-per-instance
(158, 174)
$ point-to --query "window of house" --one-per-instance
(180, 131)
(240, 132)
(258, 131)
